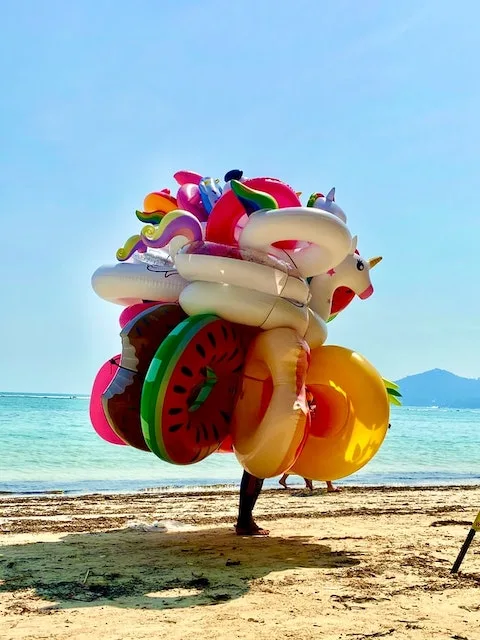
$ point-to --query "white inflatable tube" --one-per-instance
(317, 331)
(127, 283)
(330, 238)
(244, 306)
(273, 277)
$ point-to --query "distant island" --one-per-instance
(439, 388)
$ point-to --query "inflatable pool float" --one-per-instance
(140, 340)
(191, 388)
(351, 414)
(129, 283)
(270, 417)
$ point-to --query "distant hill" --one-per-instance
(441, 389)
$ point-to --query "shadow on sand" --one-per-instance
(157, 570)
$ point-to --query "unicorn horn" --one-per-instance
(373, 261)
(331, 195)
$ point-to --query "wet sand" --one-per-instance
(363, 563)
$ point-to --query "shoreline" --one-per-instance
(55, 513)
(182, 490)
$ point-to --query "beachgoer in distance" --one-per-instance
(308, 484)
(283, 482)
(312, 405)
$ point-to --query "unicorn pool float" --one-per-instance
(227, 302)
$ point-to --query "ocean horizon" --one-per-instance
(49, 446)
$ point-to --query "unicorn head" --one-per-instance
(327, 203)
(352, 274)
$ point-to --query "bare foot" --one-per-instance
(252, 530)
(283, 483)
(331, 488)
(309, 484)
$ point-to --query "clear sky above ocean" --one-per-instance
(102, 101)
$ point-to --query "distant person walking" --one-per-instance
(308, 484)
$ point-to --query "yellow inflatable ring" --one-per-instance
(270, 418)
(350, 416)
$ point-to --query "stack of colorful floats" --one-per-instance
(227, 293)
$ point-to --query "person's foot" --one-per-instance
(251, 530)
(332, 489)
(309, 484)
(283, 483)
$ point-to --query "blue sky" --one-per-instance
(103, 101)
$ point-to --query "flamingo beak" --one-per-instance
(373, 261)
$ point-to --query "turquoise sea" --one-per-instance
(48, 444)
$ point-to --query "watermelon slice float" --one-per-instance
(191, 387)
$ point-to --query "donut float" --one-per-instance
(129, 313)
(190, 389)
(140, 339)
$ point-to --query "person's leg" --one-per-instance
(283, 481)
(250, 488)
(308, 484)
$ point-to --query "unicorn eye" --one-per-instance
(360, 265)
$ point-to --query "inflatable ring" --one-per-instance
(210, 262)
(129, 283)
(159, 202)
(129, 313)
(98, 418)
(351, 415)
(190, 389)
(244, 306)
(329, 238)
(317, 331)
(270, 418)
(140, 339)
(189, 199)
(226, 446)
(228, 210)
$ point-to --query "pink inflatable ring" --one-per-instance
(228, 211)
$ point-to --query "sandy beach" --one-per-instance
(363, 563)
